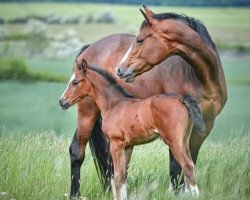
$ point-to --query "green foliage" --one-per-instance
(15, 68)
(36, 166)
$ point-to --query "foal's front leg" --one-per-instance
(119, 185)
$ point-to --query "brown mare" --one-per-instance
(172, 75)
(130, 121)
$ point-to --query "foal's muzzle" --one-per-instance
(64, 103)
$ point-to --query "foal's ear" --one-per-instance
(84, 65)
(148, 15)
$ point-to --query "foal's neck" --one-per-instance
(105, 93)
(202, 58)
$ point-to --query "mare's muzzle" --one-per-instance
(126, 74)
(64, 103)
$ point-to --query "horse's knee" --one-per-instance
(76, 153)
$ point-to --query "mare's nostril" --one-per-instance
(119, 72)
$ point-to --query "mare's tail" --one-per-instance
(100, 152)
(195, 113)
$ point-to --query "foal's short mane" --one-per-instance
(83, 48)
(111, 80)
(193, 23)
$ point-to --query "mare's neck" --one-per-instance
(204, 60)
(104, 93)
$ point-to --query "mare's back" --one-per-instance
(172, 75)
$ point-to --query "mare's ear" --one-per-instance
(84, 65)
(148, 15)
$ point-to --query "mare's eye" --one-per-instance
(139, 41)
(75, 82)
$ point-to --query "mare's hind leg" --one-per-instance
(119, 186)
(175, 172)
(78, 145)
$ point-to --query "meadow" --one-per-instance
(35, 133)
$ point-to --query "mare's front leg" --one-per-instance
(87, 115)
(119, 185)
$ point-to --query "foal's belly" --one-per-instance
(141, 138)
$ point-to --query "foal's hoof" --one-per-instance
(193, 190)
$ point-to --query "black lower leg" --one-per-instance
(176, 177)
(76, 161)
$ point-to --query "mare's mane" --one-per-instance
(193, 23)
(111, 80)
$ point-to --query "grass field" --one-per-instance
(35, 133)
(37, 167)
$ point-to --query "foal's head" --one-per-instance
(78, 86)
(154, 43)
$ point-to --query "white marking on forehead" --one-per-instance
(126, 54)
(71, 79)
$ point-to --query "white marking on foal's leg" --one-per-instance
(113, 188)
(194, 190)
(124, 191)
(71, 79)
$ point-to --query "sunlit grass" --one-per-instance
(36, 166)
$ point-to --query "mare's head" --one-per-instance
(160, 36)
(78, 86)
(147, 50)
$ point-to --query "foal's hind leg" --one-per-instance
(177, 142)
(187, 165)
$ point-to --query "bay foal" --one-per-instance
(128, 121)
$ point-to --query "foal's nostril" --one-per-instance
(64, 103)
(60, 102)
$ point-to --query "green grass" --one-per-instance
(36, 166)
(34, 107)
(17, 69)
(229, 27)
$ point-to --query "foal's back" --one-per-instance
(139, 121)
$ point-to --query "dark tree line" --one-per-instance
(154, 2)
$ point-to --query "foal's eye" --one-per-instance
(139, 41)
(75, 82)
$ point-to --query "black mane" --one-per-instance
(111, 80)
(83, 48)
(193, 23)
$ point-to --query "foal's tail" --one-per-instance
(195, 113)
